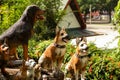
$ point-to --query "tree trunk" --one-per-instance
(109, 13)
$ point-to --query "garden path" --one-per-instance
(107, 39)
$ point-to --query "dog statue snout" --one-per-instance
(68, 37)
(87, 48)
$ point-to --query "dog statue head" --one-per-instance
(61, 36)
(30, 64)
(81, 44)
(26, 71)
(4, 51)
(33, 13)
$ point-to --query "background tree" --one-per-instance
(10, 12)
(53, 15)
(117, 20)
(117, 15)
(107, 5)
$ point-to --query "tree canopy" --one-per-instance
(97, 4)
(101, 5)
(116, 19)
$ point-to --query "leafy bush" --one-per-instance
(40, 47)
(104, 64)
(31, 49)
(10, 12)
(35, 49)
(103, 68)
(117, 14)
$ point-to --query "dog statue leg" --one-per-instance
(77, 75)
(83, 75)
(15, 53)
(76, 72)
(59, 63)
(53, 65)
(25, 51)
(67, 74)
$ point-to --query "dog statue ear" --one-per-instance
(83, 39)
(5, 41)
(57, 29)
(63, 28)
(77, 41)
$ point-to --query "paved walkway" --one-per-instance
(106, 40)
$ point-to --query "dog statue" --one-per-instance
(27, 71)
(4, 57)
(53, 56)
(78, 61)
(37, 72)
(20, 32)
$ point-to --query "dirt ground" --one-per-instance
(12, 68)
(11, 72)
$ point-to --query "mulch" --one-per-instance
(14, 66)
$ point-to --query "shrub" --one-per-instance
(35, 49)
(40, 47)
(104, 64)
(117, 15)
(103, 68)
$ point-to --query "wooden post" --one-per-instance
(90, 13)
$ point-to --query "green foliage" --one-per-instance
(31, 49)
(97, 5)
(70, 50)
(103, 67)
(116, 21)
(40, 47)
(117, 16)
(10, 12)
(104, 64)
(101, 5)
(53, 15)
(35, 49)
